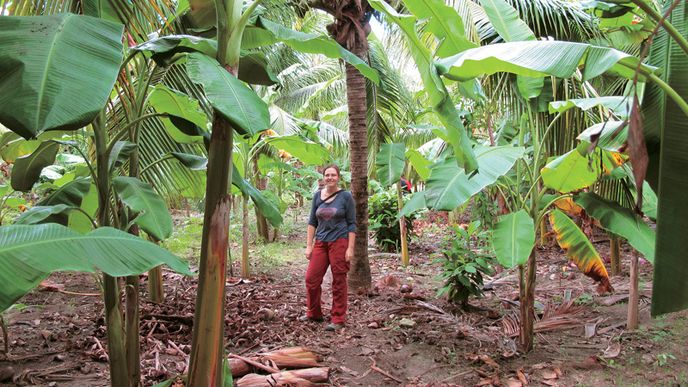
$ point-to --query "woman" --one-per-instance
(331, 234)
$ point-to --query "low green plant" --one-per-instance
(464, 263)
(382, 212)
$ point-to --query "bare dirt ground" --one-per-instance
(57, 338)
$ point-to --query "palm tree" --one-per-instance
(350, 29)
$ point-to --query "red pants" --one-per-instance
(328, 254)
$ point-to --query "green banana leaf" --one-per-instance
(266, 33)
(120, 154)
(194, 122)
(453, 131)
(238, 104)
(559, 59)
(444, 22)
(447, 25)
(649, 201)
(27, 169)
(419, 163)
(58, 71)
(505, 20)
(153, 218)
(78, 220)
(449, 187)
(70, 194)
(193, 162)
(254, 70)
(513, 238)
(663, 118)
(14, 146)
(102, 9)
(579, 249)
(620, 221)
(38, 214)
(266, 207)
(416, 203)
(611, 135)
(307, 151)
(390, 163)
(163, 48)
(253, 66)
(78, 193)
(620, 105)
(28, 254)
(572, 171)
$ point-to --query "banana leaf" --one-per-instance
(38, 214)
(305, 150)
(453, 131)
(505, 20)
(28, 254)
(390, 163)
(419, 163)
(27, 169)
(191, 121)
(571, 171)
(664, 122)
(539, 59)
(153, 218)
(620, 105)
(237, 103)
(579, 249)
(513, 238)
(57, 71)
(449, 187)
(620, 221)
(267, 33)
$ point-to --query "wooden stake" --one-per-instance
(633, 296)
(614, 244)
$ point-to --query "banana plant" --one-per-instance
(390, 163)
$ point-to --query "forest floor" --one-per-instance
(57, 334)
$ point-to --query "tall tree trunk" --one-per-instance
(614, 254)
(359, 277)
(261, 222)
(402, 228)
(205, 366)
(156, 290)
(111, 290)
(244, 239)
(527, 300)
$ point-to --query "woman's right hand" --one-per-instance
(309, 251)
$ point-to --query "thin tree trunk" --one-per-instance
(156, 290)
(245, 273)
(111, 291)
(261, 222)
(205, 366)
(527, 301)
(359, 277)
(633, 296)
(131, 330)
(614, 246)
(402, 228)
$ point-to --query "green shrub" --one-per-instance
(465, 262)
(382, 214)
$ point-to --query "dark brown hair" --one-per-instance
(333, 166)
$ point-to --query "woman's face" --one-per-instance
(331, 178)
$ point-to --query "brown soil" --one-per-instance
(57, 339)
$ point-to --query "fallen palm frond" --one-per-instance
(563, 316)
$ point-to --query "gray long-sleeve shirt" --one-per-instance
(333, 220)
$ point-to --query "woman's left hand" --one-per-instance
(349, 254)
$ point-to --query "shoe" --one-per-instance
(305, 318)
(334, 327)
